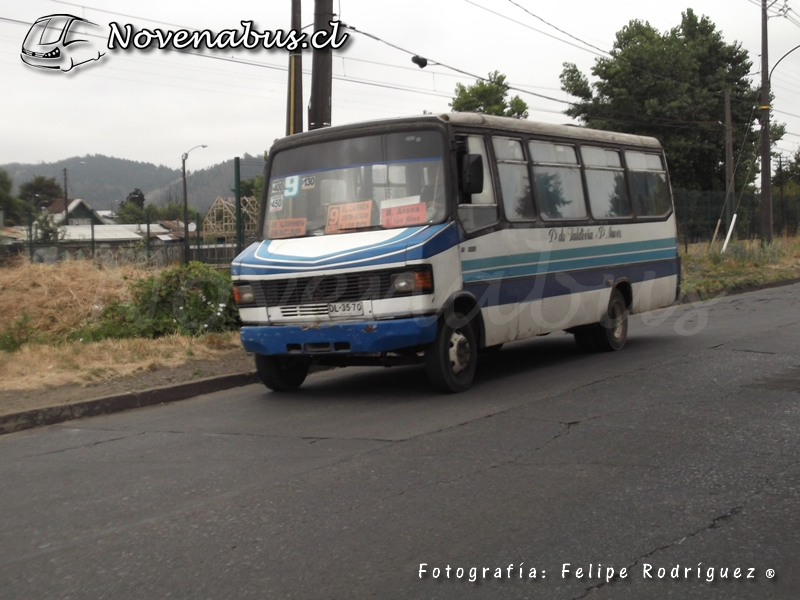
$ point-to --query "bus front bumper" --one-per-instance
(362, 337)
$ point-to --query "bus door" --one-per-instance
(483, 251)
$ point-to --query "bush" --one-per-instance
(191, 299)
(17, 334)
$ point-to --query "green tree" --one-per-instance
(489, 97)
(252, 187)
(136, 197)
(130, 212)
(171, 211)
(672, 86)
(791, 172)
(11, 206)
(45, 230)
(45, 188)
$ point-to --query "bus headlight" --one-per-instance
(412, 282)
(243, 294)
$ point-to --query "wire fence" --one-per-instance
(697, 214)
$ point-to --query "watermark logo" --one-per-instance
(62, 42)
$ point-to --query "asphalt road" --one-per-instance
(679, 451)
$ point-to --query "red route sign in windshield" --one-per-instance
(404, 216)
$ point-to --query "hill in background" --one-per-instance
(104, 182)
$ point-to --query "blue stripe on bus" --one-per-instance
(549, 285)
(569, 265)
(482, 264)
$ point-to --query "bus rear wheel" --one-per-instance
(281, 373)
(612, 331)
(452, 358)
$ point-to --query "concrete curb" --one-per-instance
(51, 415)
(741, 289)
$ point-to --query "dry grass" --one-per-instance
(38, 366)
(61, 297)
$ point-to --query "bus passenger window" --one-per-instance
(605, 180)
(558, 189)
(651, 196)
(515, 182)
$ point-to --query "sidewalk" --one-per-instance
(36, 417)
(33, 408)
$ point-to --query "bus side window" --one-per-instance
(515, 184)
(651, 196)
(605, 180)
(557, 181)
(482, 210)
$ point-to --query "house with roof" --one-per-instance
(78, 213)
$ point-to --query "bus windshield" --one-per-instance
(384, 181)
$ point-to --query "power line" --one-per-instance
(652, 121)
(605, 53)
(457, 70)
(602, 52)
(557, 28)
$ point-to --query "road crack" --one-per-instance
(715, 523)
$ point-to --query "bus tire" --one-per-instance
(452, 358)
(281, 373)
(612, 331)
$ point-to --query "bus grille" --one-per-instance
(304, 310)
(321, 290)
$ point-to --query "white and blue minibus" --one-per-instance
(429, 239)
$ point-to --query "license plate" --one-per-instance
(346, 309)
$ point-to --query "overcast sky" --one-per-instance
(154, 105)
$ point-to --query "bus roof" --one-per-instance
(548, 129)
(479, 120)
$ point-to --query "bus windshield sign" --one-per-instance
(364, 183)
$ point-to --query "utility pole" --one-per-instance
(729, 187)
(319, 109)
(766, 163)
(66, 202)
(294, 104)
(783, 228)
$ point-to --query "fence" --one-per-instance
(697, 214)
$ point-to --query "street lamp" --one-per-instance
(186, 206)
(66, 201)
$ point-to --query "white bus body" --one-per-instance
(426, 239)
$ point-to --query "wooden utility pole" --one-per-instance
(319, 108)
(294, 100)
(766, 163)
(783, 229)
(730, 193)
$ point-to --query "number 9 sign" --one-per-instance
(292, 186)
(333, 219)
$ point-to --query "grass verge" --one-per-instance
(706, 273)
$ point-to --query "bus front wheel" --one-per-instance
(452, 358)
(281, 373)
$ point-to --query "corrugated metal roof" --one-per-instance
(102, 233)
(141, 228)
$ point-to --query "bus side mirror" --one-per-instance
(472, 174)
